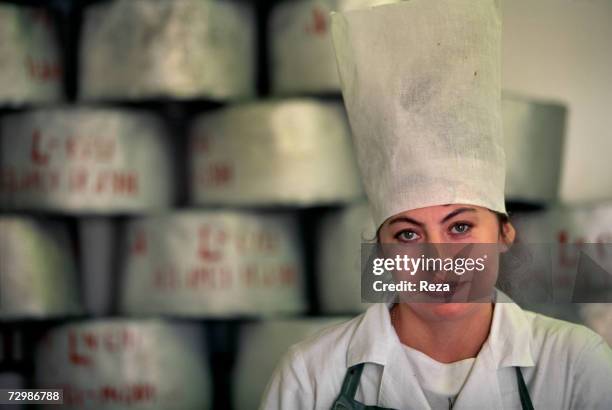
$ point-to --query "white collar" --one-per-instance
(509, 341)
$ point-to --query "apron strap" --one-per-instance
(346, 399)
(523, 391)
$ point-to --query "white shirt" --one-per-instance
(441, 382)
(565, 366)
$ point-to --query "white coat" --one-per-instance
(565, 366)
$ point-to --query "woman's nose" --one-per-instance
(435, 236)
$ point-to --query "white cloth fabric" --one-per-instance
(565, 366)
(441, 382)
(422, 86)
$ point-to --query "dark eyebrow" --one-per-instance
(406, 219)
(446, 218)
(457, 212)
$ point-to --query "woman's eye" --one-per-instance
(460, 228)
(407, 236)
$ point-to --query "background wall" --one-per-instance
(561, 50)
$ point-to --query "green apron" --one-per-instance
(346, 399)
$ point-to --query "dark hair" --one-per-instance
(502, 219)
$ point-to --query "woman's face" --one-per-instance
(446, 224)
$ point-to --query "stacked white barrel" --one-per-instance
(534, 136)
(37, 270)
(289, 152)
(119, 363)
(294, 152)
(218, 259)
(88, 162)
(142, 49)
(99, 163)
(213, 264)
(84, 160)
(37, 267)
(340, 237)
(30, 61)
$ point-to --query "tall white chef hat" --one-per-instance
(421, 84)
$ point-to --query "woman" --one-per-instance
(421, 83)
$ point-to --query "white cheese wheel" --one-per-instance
(534, 135)
(31, 68)
(125, 364)
(37, 269)
(142, 49)
(296, 152)
(213, 264)
(80, 160)
(340, 236)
